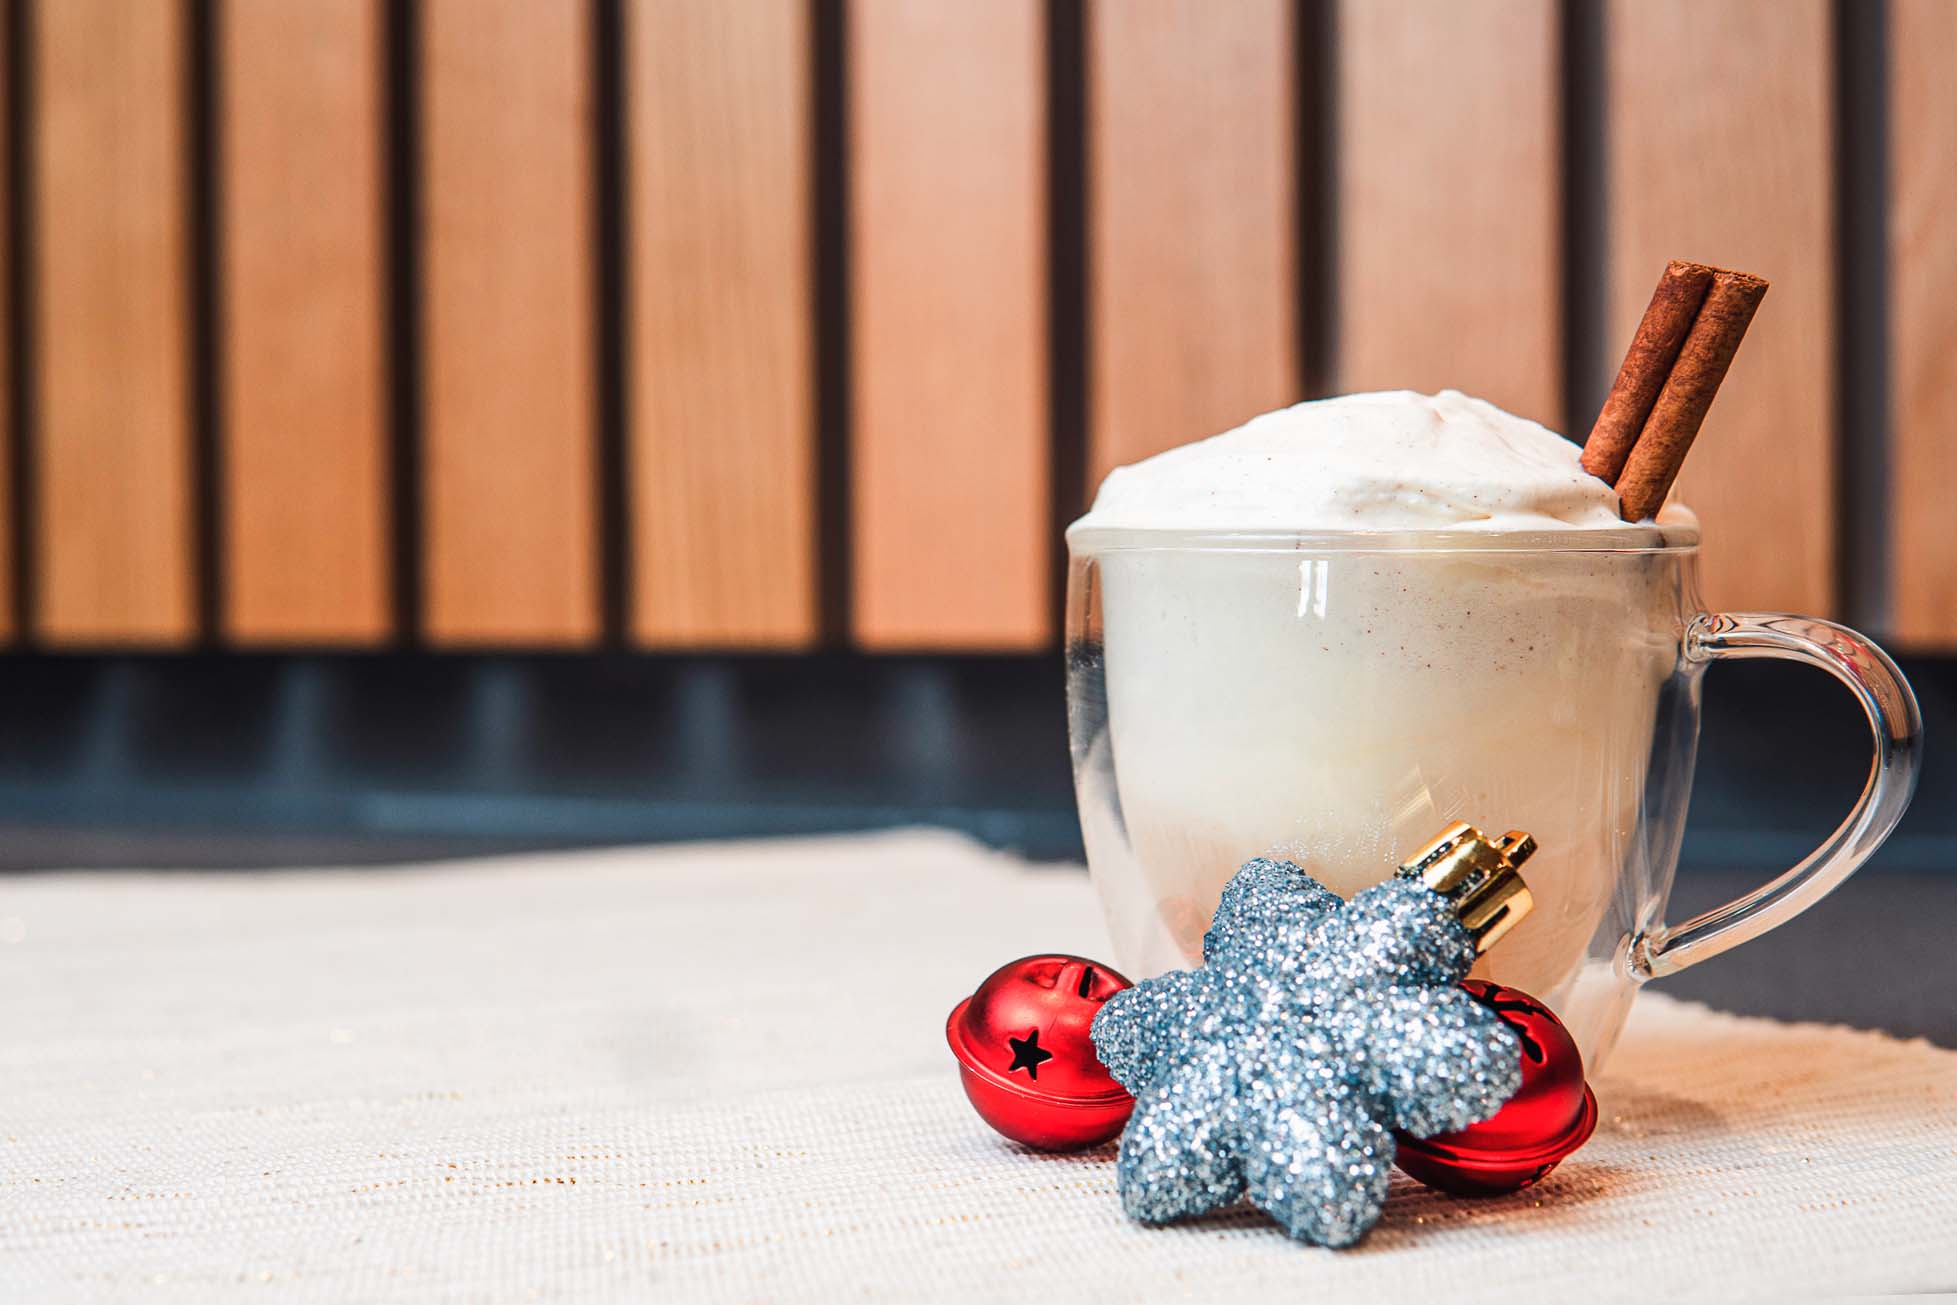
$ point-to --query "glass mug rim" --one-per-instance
(1676, 539)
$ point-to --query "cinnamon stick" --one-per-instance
(1681, 406)
(1663, 329)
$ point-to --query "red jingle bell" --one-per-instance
(1026, 1057)
(1548, 1118)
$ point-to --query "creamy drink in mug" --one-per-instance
(1327, 633)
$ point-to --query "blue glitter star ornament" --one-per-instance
(1315, 1028)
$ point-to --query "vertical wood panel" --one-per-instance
(1721, 133)
(723, 439)
(509, 497)
(112, 464)
(7, 324)
(1923, 321)
(305, 526)
(950, 463)
(1449, 201)
(1193, 221)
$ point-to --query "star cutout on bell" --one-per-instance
(1280, 1069)
(1027, 1054)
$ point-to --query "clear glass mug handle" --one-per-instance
(1891, 708)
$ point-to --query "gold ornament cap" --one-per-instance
(1477, 875)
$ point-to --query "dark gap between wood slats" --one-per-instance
(1315, 83)
(1067, 324)
(401, 149)
(19, 416)
(202, 217)
(1587, 363)
(830, 180)
(1863, 405)
(610, 271)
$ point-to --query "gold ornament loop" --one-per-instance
(1477, 874)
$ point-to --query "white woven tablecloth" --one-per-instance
(720, 1072)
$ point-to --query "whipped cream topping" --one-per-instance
(1390, 461)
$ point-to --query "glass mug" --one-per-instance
(1337, 699)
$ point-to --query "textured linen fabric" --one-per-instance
(719, 1072)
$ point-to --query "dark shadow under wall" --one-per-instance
(288, 760)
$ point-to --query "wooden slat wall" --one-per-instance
(1450, 209)
(723, 395)
(1193, 211)
(1721, 150)
(1719, 124)
(948, 261)
(1923, 323)
(509, 497)
(113, 460)
(305, 454)
(6, 328)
